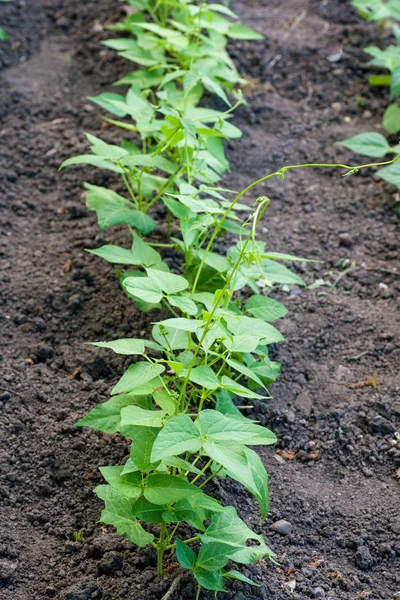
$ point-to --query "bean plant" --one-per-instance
(177, 402)
(374, 144)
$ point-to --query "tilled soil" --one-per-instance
(334, 473)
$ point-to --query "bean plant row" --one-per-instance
(387, 15)
(178, 402)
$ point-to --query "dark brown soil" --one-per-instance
(340, 493)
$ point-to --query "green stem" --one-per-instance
(204, 469)
(161, 549)
(198, 592)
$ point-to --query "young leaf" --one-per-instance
(168, 282)
(216, 427)
(391, 118)
(141, 447)
(233, 574)
(148, 512)
(209, 580)
(185, 555)
(136, 376)
(119, 513)
(213, 556)
(391, 174)
(165, 401)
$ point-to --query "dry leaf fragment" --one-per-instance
(362, 595)
(287, 454)
(368, 381)
(61, 211)
(75, 374)
(336, 575)
(29, 361)
(67, 266)
(316, 562)
(314, 454)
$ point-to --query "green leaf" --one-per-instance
(107, 416)
(213, 556)
(277, 273)
(241, 368)
(379, 80)
(128, 485)
(237, 389)
(242, 343)
(136, 376)
(165, 401)
(175, 461)
(391, 118)
(141, 448)
(128, 346)
(107, 100)
(119, 513)
(185, 555)
(182, 324)
(148, 512)
(209, 580)
(164, 489)
(185, 304)
(233, 574)
(134, 415)
(113, 209)
(115, 254)
(242, 32)
(265, 308)
(171, 339)
(395, 83)
(178, 435)
(144, 253)
(93, 160)
(205, 377)
(391, 174)
(241, 325)
(168, 282)
(143, 288)
(216, 427)
(368, 144)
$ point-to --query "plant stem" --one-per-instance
(161, 549)
(204, 469)
(198, 592)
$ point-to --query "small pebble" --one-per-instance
(345, 240)
(282, 527)
(318, 593)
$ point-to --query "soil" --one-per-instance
(334, 475)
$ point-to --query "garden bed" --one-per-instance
(333, 472)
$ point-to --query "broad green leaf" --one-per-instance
(178, 435)
(119, 513)
(209, 580)
(165, 401)
(144, 253)
(213, 556)
(185, 555)
(171, 339)
(205, 377)
(113, 209)
(107, 416)
(136, 376)
(168, 282)
(391, 118)
(164, 489)
(175, 461)
(148, 512)
(277, 273)
(115, 254)
(141, 447)
(216, 427)
(128, 346)
(368, 144)
(143, 288)
(216, 261)
(391, 174)
(135, 415)
(184, 303)
(265, 308)
(128, 485)
(242, 343)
